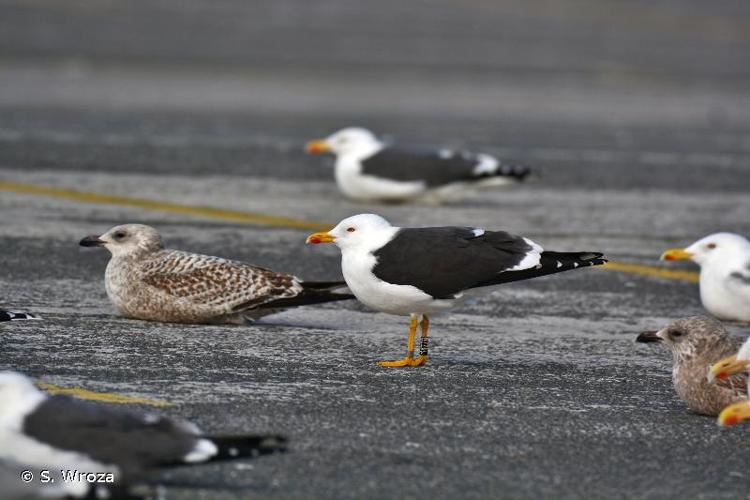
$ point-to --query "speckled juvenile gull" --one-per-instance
(725, 273)
(146, 281)
(419, 271)
(63, 433)
(368, 169)
(696, 343)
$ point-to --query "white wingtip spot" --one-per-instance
(151, 418)
(477, 232)
(575, 264)
(559, 264)
(233, 452)
(445, 154)
(204, 449)
(487, 165)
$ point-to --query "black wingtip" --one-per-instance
(517, 171)
(234, 447)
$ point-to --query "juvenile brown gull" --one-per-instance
(696, 343)
(146, 281)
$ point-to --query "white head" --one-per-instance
(715, 248)
(364, 231)
(351, 141)
(18, 397)
(128, 239)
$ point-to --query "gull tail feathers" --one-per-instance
(551, 263)
(314, 293)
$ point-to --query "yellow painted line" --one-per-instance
(162, 206)
(102, 397)
(653, 271)
(271, 220)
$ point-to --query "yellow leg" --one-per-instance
(423, 348)
(409, 359)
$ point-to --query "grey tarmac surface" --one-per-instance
(636, 117)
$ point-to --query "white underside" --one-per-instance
(723, 296)
(401, 300)
(355, 185)
(366, 187)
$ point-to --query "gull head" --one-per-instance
(715, 248)
(688, 337)
(363, 231)
(352, 140)
(18, 395)
(128, 239)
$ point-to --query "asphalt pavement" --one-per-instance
(636, 118)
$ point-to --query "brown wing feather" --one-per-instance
(207, 280)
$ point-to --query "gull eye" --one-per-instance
(350, 229)
(675, 334)
(711, 246)
(120, 235)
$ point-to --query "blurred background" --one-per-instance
(600, 93)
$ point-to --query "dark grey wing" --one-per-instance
(742, 276)
(434, 168)
(443, 261)
(133, 441)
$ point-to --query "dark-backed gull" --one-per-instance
(16, 316)
(115, 444)
(368, 169)
(419, 271)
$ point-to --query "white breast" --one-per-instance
(115, 281)
(723, 296)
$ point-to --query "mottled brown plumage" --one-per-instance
(146, 281)
(696, 343)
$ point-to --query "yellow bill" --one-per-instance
(735, 413)
(318, 238)
(676, 254)
(317, 146)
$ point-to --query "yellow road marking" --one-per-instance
(271, 220)
(102, 397)
(653, 271)
(162, 206)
